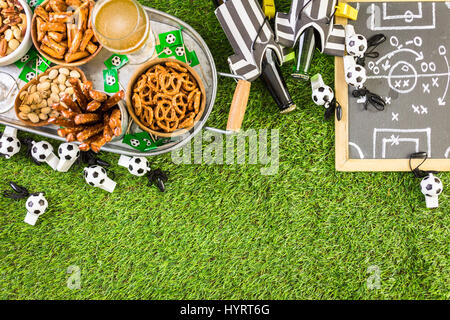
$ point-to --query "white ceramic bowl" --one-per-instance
(25, 45)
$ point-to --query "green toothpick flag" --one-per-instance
(42, 63)
(171, 39)
(192, 58)
(142, 141)
(110, 80)
(34, 3)
(116, 61)
(27, 74)
(29, 56)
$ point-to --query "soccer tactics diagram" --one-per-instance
(412, 75)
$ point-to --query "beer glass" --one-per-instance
(123, 27)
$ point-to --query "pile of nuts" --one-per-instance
(13, 26)
(37, 100)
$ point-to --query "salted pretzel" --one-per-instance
(166, 97)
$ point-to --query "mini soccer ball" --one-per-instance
(37, 204)
(356, 45)
(116, 61)
(179, 51)
(323, 95)
(167, 51)
(25, 58)
(68, 151)
(9, 146)
(170, 38)
(30, 76)
(95, 175)
(41, 150)
(356, 77)
(138, 166)
(431, 187)
(33, 3)
(110, 80)
(135, 143)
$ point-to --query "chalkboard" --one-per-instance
(412, 75)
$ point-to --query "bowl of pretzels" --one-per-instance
(62, 31)
(165, 97)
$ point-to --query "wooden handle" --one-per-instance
(238, 105)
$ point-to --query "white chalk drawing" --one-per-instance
(435, 82)
(447, 152)
(395, 116)
(419, 109)
(406, 68)
(407, 16)
(395, 141)
(443, 51)
(406, 21)
(360, 153)
(423, 137)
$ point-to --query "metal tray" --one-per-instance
(160, 22)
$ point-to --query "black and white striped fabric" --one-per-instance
(315, 13)
(241, 20)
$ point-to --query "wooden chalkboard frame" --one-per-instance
(343, 161)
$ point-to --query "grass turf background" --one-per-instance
(226, 231)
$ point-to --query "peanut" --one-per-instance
(64, 71)
(44, 86)
(23, 116)
(25, 109)
(46, 110)
(53, 74)
(43, 78)
(62, 78)
(33, 117)
(55, 88)
(75, 74)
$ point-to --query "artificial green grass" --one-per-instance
(226, 231)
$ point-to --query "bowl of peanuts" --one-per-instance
(15, 31)
(33, 104)
(62, 31)
(166, 97)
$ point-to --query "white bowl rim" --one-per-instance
(29, 15)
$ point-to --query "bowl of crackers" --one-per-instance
(33, 104)
(166, 97)
(62, 31)
(15, 35)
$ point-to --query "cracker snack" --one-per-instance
(64, 30)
